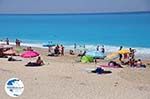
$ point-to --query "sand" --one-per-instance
(64, 78)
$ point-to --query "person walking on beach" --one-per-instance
(62, 50)
(132, 53)
(57, 50)
(97, 48)
(120, 55)
(75, 46)
(7, 41)
(84, 46)
(131, 57)
(49, 49)
(18, 43)
(103, 49)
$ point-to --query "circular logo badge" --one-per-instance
(14, 87)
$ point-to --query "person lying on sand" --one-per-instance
(112, 64)
(135, 63)
(71, 52)
(139, 63)
(39, 62)
(13, 59)
(28, 49)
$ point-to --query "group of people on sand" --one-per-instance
(131, 61)
(28, 49)
(58, 50)
(38, 62)
(125, 58)
(102, 49)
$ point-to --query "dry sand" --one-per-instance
(63, 78)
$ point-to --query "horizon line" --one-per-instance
(97, 13)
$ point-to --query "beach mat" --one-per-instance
(97, 70)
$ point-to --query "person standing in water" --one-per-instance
(62, 50)
(120, 55)
(97, 48)
(18, 43)
(84, 46)
(103, 49)
(7, 41)
(75, 46)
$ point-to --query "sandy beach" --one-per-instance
(64, 78)
(74, 49)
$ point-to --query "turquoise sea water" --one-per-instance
(130, 29)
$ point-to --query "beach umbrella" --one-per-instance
(48, 45)
(95, 54)
(112, 56)
(29, 54)
(124, 51)
(10, 52)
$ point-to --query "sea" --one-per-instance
(109, 29)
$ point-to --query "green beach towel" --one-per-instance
(86, 59)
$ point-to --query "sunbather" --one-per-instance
(112, 64)
(13, 59)
(28, 49)
(139, 63)
(38, 62)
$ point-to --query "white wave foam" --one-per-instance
(108, 48)
(26, 44)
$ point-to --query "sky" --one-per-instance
(72, 6)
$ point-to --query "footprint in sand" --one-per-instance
(143, 88)
(67, 77)
(83, 84)
(116, 83)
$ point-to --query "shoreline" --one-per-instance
(143, 53)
